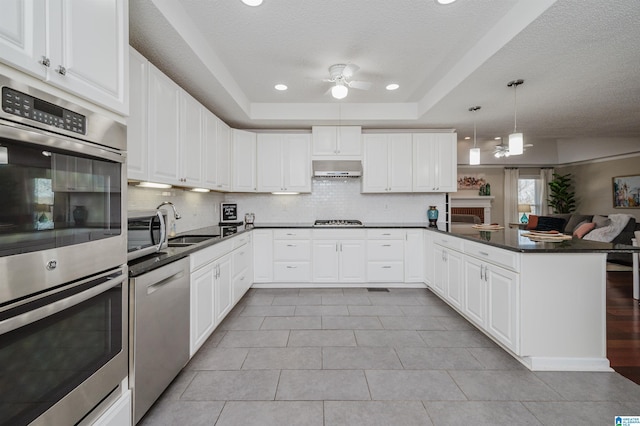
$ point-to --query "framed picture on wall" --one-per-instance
(626, 192)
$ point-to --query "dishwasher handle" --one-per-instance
(151, 288)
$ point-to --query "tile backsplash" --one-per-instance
(330, 199)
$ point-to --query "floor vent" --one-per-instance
(378, 289)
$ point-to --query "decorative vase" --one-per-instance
(432, 215)
(487, 189)
(80, 215)
(524, 218)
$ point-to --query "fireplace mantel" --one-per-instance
(480, 201)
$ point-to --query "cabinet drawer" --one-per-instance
(241, 240)
(291, 234)
(385, 250)
(209, 254)
(241, 259)
(291, 250)
(497, 256)
(448, 241)
(385, 271)
(385, 234)
(292, 271)
(339, 234)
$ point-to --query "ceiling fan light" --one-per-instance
(393, 86)
(474, 156)
(516, 144)
(280, 87)
(445, 1)
(339, 91)
(252, 3)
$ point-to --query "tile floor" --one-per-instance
(353, 357)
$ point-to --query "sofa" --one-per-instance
(569, 224)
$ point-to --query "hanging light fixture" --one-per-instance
(516, 141)
(340, 90)
(474, 153)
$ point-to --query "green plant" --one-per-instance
(561, 197)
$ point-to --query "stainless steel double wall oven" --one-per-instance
(63, 274)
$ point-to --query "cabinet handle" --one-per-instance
(291, 267)
(340, 246)
(484, 253)
(61, 70)
(291, 234)
(242, 278)
(481, 268)
(291, 245)
(386, 234)
(336, 247)
(386, 267)
(386, 245)
(45, 61)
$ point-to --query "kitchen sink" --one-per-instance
(189, 240)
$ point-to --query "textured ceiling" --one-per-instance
(579, 60)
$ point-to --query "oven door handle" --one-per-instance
(37, 314)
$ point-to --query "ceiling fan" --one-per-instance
(340, 75)
(502, 150)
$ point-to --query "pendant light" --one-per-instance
(516, 141)
(474, 153)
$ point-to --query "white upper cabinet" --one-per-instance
(191, 141)
(137, 145)
(163, 128)
(434, 162)
(217, 153)
(337, 141)
(244, 161)
(387, 162)
(284, 162)
(79, 46)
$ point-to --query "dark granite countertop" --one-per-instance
(171, 254)
(508, 238)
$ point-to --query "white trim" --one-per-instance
(565, 364)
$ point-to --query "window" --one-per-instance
(529, 193)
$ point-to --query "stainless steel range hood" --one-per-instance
(337, 168)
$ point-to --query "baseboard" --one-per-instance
(565, 364)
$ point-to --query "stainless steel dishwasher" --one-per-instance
(159, 331)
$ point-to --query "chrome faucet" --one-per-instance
(176, 215)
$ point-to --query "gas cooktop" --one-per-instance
(337, 222)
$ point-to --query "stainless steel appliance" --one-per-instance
(337, 222)
(147, 232)
(159, 331)
(63, 274)
(337, 168)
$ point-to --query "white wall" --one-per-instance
(338, 199)
(330, 199)
(574, 150)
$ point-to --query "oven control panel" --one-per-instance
(27, 106)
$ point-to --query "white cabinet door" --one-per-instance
(375, 163)
(210, 154)
(191, 141)
(326, 265)
(223, 299)
(297, 163)
(223, 156)
(137, 145)
(440, 273)
(399, 163)
(163, 130)
(353, 261)
(349, 141)
(502, 305)
(244, 161)
(284, 163)
(203, 320)
(23, 35)
(414, 256)
(428, 259)
(89, 49)
(336, 141)
(475, 300)
(434, 162)
(454, 284)
(269, 163)
(262, 255)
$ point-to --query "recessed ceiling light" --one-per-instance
(392, 86)
(466, 138)
(442, 1)
(252, 2)
(281, 87)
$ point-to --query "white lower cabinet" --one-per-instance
(502, 305)
(385, 255)
(448, 274)
(242, 270)
(414, 256)
(475, 289)
(339, 256)
(292, 255)
(203, 319)
(262, 255)
(223, 294)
